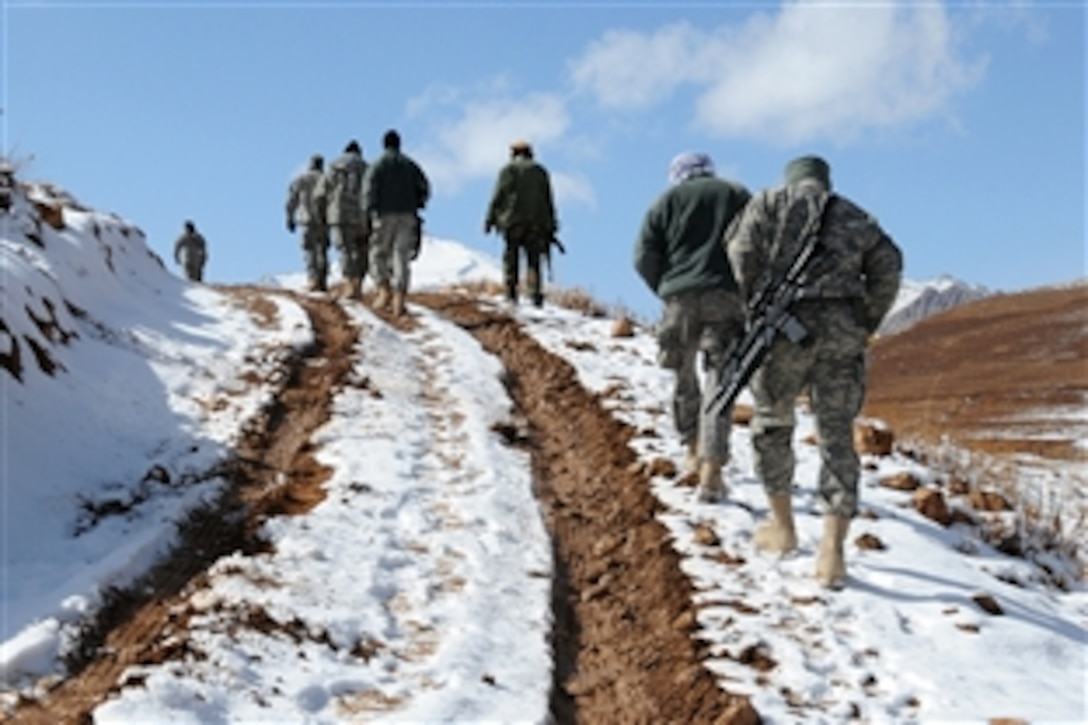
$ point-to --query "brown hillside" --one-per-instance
(1003, 375)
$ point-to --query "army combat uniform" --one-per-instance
(851, 284)
(302, 211)
(340, 194)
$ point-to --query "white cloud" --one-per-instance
(474, 129)
(573, 189)
(811, 71)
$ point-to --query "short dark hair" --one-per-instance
(391, 140)
(353, 145)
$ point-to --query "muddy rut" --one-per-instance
(623, 612)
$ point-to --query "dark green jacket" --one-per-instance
(522, 196)
(681, 244)
(394, 184)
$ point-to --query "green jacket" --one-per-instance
(681, 244)
(522, 196)
(394, 184)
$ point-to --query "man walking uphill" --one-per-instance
(340, 194)
(191, 252)
(302, 210)
(395, 190)
(523, 210)
(851, 283)
(680, 255)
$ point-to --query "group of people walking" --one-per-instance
(369, 212)
(705, 245)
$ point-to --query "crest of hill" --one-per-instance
(1004, 374)
(62, 261)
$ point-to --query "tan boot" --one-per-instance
(355, 288)
(777, 534)
(691, 460)
(711, 487)
(381, 299)
(831, 564)
(398, 303)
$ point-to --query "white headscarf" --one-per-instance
(689, 164)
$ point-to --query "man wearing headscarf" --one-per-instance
(680, 256)
(847, 290)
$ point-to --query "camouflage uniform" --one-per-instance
(302, 210)
(340, 193)
(395, 189)
(191, 252)
(680, 257)
(853, 282)
(522, 208)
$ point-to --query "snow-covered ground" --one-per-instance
(421, 579)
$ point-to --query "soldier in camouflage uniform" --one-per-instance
(395, 190)
(680, 257)
(853, 281)
(340, 193)
(302, 210)
(191, 252)
(523, 210)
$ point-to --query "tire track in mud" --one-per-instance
(623, 610)
(273, 472)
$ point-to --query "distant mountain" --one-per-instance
(918, 300)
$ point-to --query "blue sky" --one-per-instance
(961, 126)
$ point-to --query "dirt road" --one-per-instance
(622, 607)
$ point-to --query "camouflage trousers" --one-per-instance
(702, 321)
(315, 252)
(394, 243)
(832, 366)
(519, 241)
(352, 245)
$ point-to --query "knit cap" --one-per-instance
(808, 167)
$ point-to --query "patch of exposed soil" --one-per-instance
(273, 473)
(990, 375)
(623, 609)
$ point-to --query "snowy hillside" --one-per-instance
(361, 518)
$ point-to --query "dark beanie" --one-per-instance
(808, 167)
(353, 145)
(391, 140)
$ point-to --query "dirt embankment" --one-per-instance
(272, 473)
(992, 375)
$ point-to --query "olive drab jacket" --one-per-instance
(679, 246)
(394, 184)
(522, 197)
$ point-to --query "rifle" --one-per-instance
(553, 242)
(768, 315)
